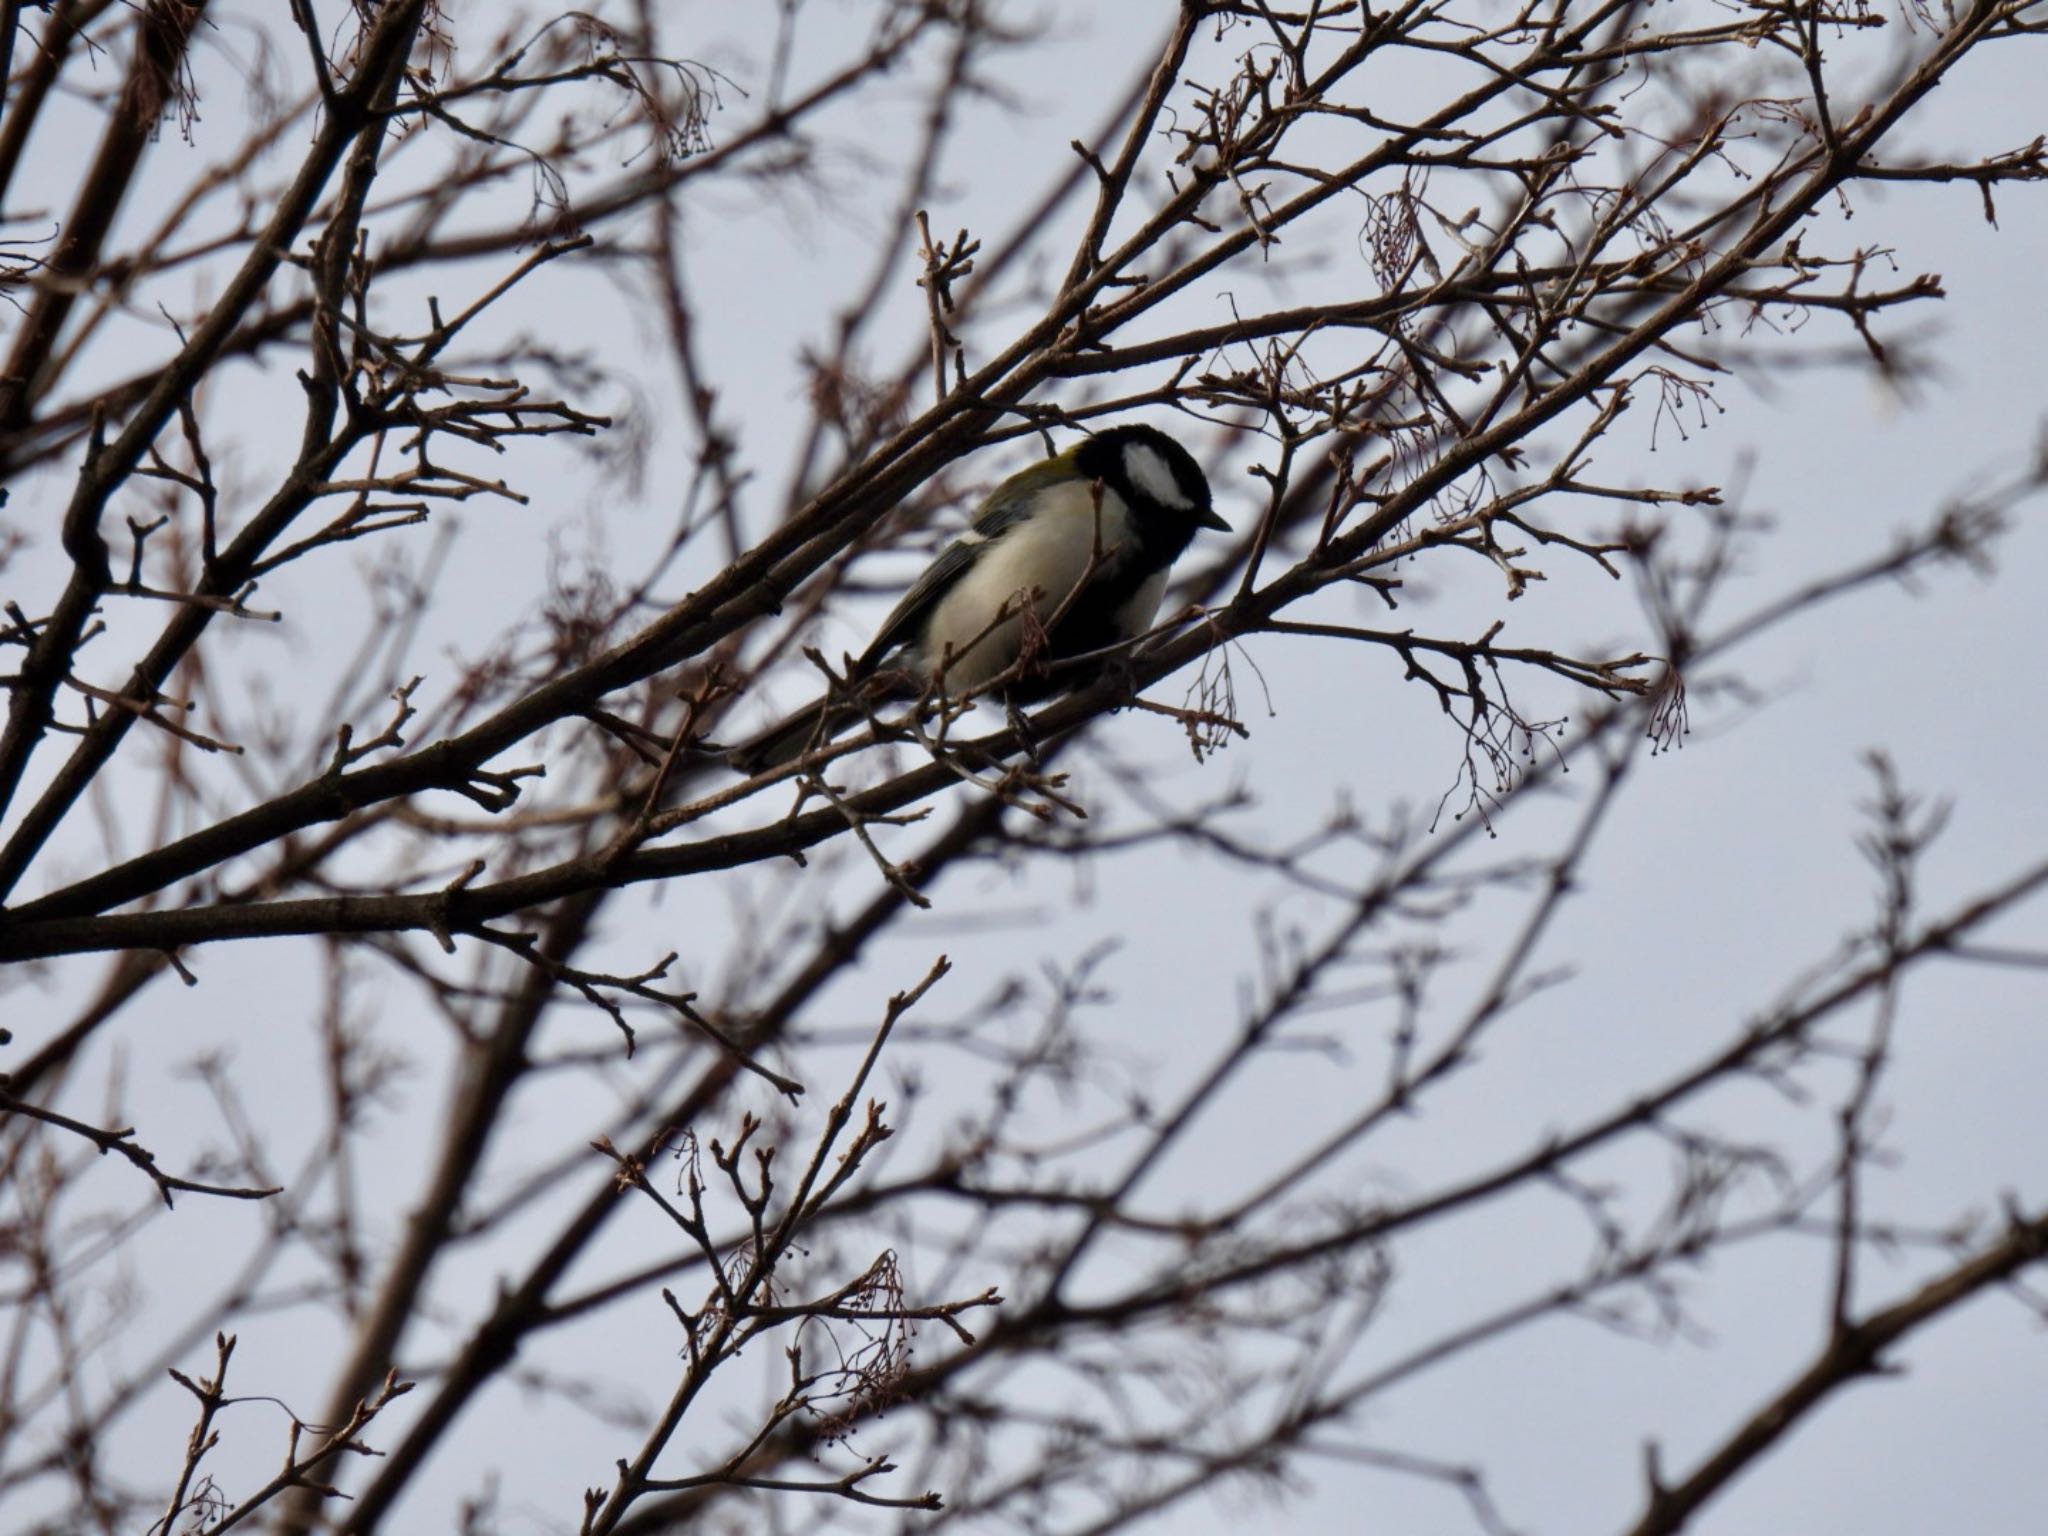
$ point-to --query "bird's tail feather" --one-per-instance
(820, 721)
(792, 736)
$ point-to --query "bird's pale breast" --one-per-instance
(1052, 551)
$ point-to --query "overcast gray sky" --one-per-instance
(1729, 868)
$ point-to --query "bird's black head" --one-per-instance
(1156, 477)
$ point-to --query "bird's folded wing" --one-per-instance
(1008, 505)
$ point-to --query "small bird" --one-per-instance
(1082, 542)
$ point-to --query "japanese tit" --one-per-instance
(1084, 540)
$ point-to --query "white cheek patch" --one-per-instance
(1152, 475)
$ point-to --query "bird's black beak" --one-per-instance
(1212, 519)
